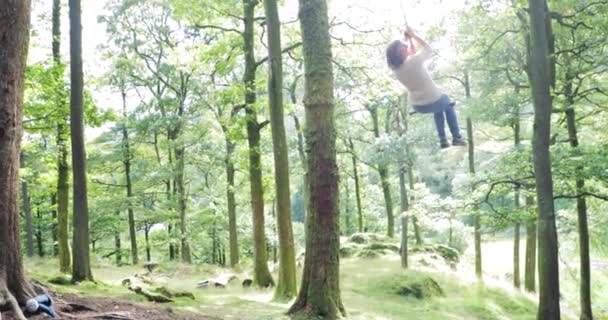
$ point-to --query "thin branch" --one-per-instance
(581, 195)
(208, 26)
(285, 50)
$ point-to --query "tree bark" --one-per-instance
(583, 228)
(126, 149)
(63, 170)
(39, 234)
(404, 218)
(29, 225)
(516, 239)
(531, 238)
(81, 269)
(357, 185)
(118, 244)
(261, 274)
(516, 202)
(540, 79)
(286, 283)
(417, 233)
(54, 225)
(383, 172)
(320, 291)
(181, 203)
(147, 237)
(231, 201)
(477, 218)
(15, 23)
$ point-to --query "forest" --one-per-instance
(259, 159)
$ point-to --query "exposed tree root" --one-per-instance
(7, 298)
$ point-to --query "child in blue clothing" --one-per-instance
(40, 304)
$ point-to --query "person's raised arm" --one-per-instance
(409, 33)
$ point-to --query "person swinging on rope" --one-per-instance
(407, 64)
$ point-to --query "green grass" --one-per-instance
(366, 285)
(367, 296)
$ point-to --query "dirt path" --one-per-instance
(74, 307)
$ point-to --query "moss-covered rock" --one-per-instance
(348, 250)
(366, 238)
(369, 254)
(61, 280)
(383, 246)
(359, 238)
(450, 255)
(415, 285)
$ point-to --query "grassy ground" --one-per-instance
(365, 287)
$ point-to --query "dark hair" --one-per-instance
(393, 54)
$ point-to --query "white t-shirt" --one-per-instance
(415, 77)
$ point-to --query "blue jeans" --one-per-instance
(439, 108)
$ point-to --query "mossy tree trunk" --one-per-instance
(583, 228)
(63, 170)
(541, 78)
(261, 274)
(126, 149)
(357, 184)
(383, 171)
(81, 269)
(320, 291)
(231, 201)
(29, 225)
(286, 283)
(15, 23)
(118, 243)
(517, 206)
(477, 217)
(410, 179)
(531, 238)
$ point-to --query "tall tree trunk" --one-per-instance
(181, 203)
(15, 23)
(402, 123)
(583, 228)
(54, 225)
(531, 238)
(127, 163)
(39, 235)
(63, 189)
(540, 79)
(320, 291)
(516, 240)
(286, 283)
(477, 218)
(404, 217)
(231, 201)
(357, 185)
(63, 170)
(81, 269)
(410, 179)
(29, 225)
(117, 243)
(383, 172)
(261, 274)
(147, 237)
(516, 202)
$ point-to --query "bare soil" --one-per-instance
(74, 307)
